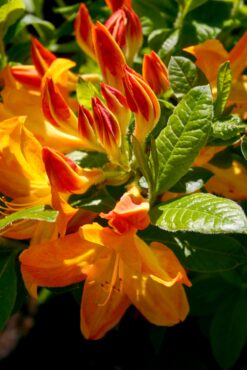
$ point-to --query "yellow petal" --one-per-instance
(209, 55)
(160, 305)
(228, 182)
(103, 301)
(59, 262)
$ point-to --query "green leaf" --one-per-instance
(229, 329)
(169, 44)
(8, 283)
(193, 4)
(10, 11)
(186, 133)
(88, 159)
(94, 200)
(182, 75)
(142, 161)
(205, 32)
(228, 127)
(208, 292)
(224, 82)
(195, 179)
(244, 147)
(40, 213)
(85, 91)
(204, 213)
(200, 252)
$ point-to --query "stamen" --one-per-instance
(117, 275)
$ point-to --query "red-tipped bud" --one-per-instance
(54, 106)
(107, 128)
(110, 57)
(142, 101)
(26, 75)
(65, 176)
(117, 103)
(131, 212)
(83, 31)
(125, 27)
(116, 4)
(155, 73)
(42, 57)
(86, 128)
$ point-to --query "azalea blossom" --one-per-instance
(119, 268)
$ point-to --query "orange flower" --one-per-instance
(228, 182)
(155, 73)
(27, 75)
(109, 55)
(211, 53)
(120, 269)
(126, 29)
(142, 101)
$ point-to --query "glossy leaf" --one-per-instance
(228, 127)
(229, 329)
(185, 134)
(201, 252)
(39, 213)
(205, 213)
(224, 81)
(244, 147)
(10, 11)
(85, 91)
(182, 75)
(194, 180)
(8, 283)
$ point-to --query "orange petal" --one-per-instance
(42, 57)
(83, 30)
(238, 56)
(110, 57)
(228, 182)
(131, 212)
(58, 263)
(209, 56)
(159, 304)
(103, 305)
(155, 73)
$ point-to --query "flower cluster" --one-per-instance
(55, 150)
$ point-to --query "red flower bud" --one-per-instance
(155, 73)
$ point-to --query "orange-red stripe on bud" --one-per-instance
(65, 176)
(109, 55)
(42, 57)
(86, 128)
(155, 73)
(116, 4)
(107, 129)
(83, 30)
(126, 29)
(54, 106)
(117, 103)
(26, 75)
(142, 101)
